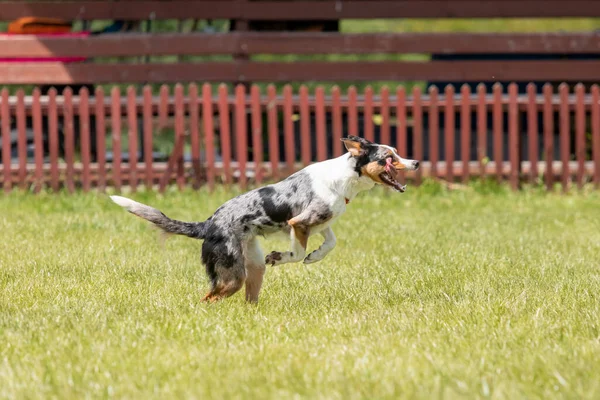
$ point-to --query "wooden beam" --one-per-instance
(122, 45)
(59, 73)
(299, 10)
(127, 10)
(327, 10)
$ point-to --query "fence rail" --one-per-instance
(241, 67)
(299, 10)
(203, 137)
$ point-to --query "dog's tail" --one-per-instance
(194, 230)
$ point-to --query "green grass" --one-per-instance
(470, 294)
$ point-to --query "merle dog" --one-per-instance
(305, 203)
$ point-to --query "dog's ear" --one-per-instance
(356, 145)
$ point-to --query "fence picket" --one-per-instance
(532, 131)
(401, 128)
(101, 137)
(513, 135)
(337, 144)
(384, 113)
(209, 134)
(288, 130)
(580, 133)
(84, 132)
(565, 150)
(241, 134)
(465, 130)
(498, 127)
(548, 139)
(434, 130)
(69, 138)
(352, 112)
(305, 134)
(417, 113)
(6, 142)
(449, 132)
(180, 134)
(273, 131)
(194, 115)
(320, 122)
(147, 135)
(21, 139)
(115, 119)
(596, 133)
(257, 140)
(368, 114)
(482, 110)
(38, 141)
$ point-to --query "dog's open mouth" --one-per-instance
(390, 177)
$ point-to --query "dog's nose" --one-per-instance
(416, 164)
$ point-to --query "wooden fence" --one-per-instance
(244, 55)
(95, 140)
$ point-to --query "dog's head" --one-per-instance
(378, 162)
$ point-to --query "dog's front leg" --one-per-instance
(299, 235)
(324, 249)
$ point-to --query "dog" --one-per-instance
(306, 203)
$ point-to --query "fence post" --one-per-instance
(193, 112)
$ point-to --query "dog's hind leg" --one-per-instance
(225, 267)
(255, 269)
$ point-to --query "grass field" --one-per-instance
(469, 294)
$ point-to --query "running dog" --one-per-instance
(305, 203)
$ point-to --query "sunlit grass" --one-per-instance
(476, 293)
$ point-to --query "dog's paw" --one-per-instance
(311, 258)
(273, 257)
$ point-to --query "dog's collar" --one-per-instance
(347, 200)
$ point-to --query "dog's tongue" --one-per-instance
(389, 168)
